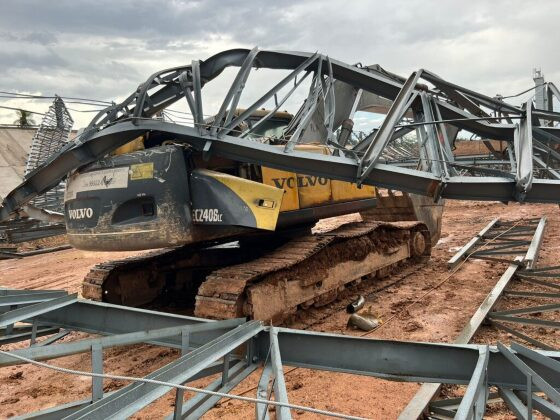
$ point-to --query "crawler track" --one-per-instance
(310, 270)
(228, 282)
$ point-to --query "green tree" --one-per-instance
(24, 118)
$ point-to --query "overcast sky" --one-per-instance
(104, 49)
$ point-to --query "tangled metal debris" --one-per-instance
(522, 141)
(50, 137)
(42, 217)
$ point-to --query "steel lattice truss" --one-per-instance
(523, 167)
(517, 243)
(236, 348)
(51, 136)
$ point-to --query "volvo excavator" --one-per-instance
(229, 199)
(240, 233)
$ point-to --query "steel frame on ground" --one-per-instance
(520, 268)
(235, 348)
(499, 239)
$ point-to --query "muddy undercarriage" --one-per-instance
(257, 280)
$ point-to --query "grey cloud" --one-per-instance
(104, 49)
(41, 38)
(11, 61)
(144, 19)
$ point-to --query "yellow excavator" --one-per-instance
(230, 200)
(227, 203)
(236, 237)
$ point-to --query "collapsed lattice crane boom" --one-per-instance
(434, 112)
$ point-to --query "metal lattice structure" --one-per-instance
(525, 379)
(500, 240)
(50, 138)
(517, 243)
(432, 110)
(235, 348)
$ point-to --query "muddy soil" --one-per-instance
(422, 303)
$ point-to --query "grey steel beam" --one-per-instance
(539, 344)
(430, 142)
(308, 109)
(4, 291)
(520, 293)
(36, 309)
(460, 255)
(532, 277)
(18, 334)
(450, 363)
(183, 410)
(523, 144)
(537, 357)
(529, 310)
(473, 404)
(261, 409)
(58, 412)
(205, 402)
(525, 321)
(514, 403)
(546, 407)
(448, 86)
(53, 338)
(450, 405)
(82, 346)
(105, 318)
(29, 298)
(532, 376)
(197, 91)
(280, 393)
(234, 92)
(446, 146)
(382, 136)
(533, 251)
(132, 398)
(468, 332)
